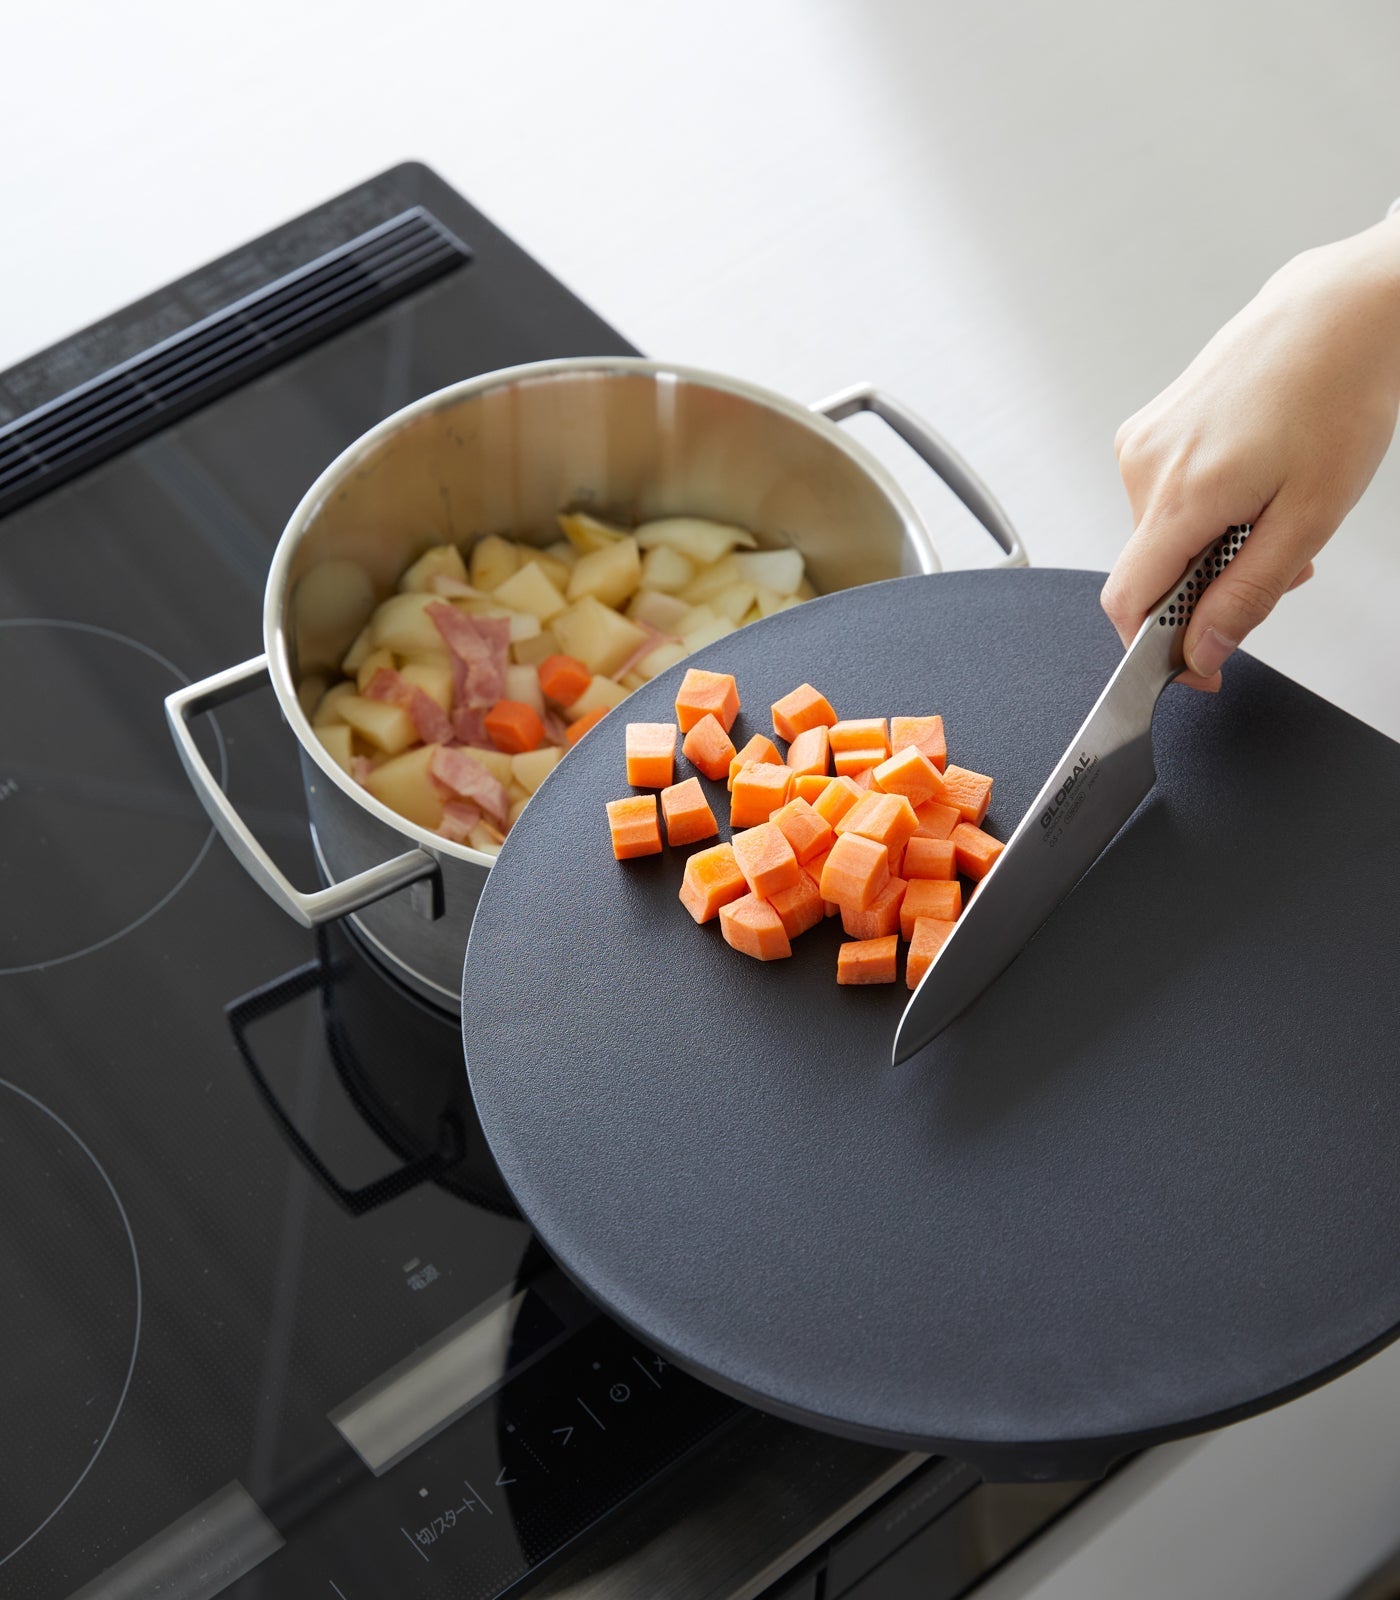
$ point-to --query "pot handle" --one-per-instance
(934, 449)
(323, 905)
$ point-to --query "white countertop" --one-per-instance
(1023, 219)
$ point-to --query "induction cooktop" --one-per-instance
(272, 1327)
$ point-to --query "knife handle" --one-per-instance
(1163, 635)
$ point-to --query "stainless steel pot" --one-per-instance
(502, 453)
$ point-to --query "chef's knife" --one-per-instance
(1095, 787)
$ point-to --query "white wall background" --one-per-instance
(1023, 217)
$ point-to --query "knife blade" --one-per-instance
(1094, 788)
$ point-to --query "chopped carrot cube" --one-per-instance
(563, 679)
(924, 733)
(976, 851)
(804, 708)
(752, 927)
(860, 733)
(712, 879)
(929, 858)
(576, 729)
(766, 859)
(970, 792)
(897, 862)
(849, 763)
(759, 748)
(836, 800)
(881, 917)
(937, 821)
(806, 786)
(708, 747)
(868, 961)
(809, 753)
(855, 872)
(910, 772)
(759, 789)
(799, 907)
(940, 898)
(929, 936)
(813, 869)
(887, 818)
(635, 829)
(807, 833)
(701, 691)
(513, 727)
(687, 813)
(651, 754)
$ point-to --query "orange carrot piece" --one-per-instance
(886, 818)
(804, 708)
(701, 691)
(759, 748)
(868, 961)
(635, 829)
(808, 787)
(651, 754)
(752, 927)
(836, 800)
(929, 936)
(910, 772)
(563, 679)
(855, 872)
(813, 869)
(937, 821)
(807, 833)
(576, 729)
(687, 813)
(759, 789)
(976, 851)
(809, 753)
(766, 859)
(930, 858)
(513, 727)
(940, 898)
(712, 879)
(799, 907)
(860, 733)
(881, 917)
(849, 763)
(970, 792)
(708, 747)
(924, 733)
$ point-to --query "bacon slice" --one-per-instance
(459, 817)
(480, 649)
(429, 719)
(458, 775)
(555, 728)
(360, 768)
(469, 726)
(654, 638)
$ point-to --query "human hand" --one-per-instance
(1281, 421)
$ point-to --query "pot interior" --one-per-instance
(629, 445)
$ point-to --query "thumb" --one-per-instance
(1283, 541)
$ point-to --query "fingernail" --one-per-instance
(1211, 651)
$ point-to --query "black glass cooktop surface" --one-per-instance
(271, 1325)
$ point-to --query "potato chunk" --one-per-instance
(403, 784)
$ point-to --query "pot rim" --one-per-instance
(274, 598)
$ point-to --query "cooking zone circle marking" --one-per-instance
(97, 832)
(28, 1153)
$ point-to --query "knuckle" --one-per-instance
(1249, 599)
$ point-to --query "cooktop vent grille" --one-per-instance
(182, 373)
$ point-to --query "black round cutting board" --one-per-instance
(1147, 1184)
